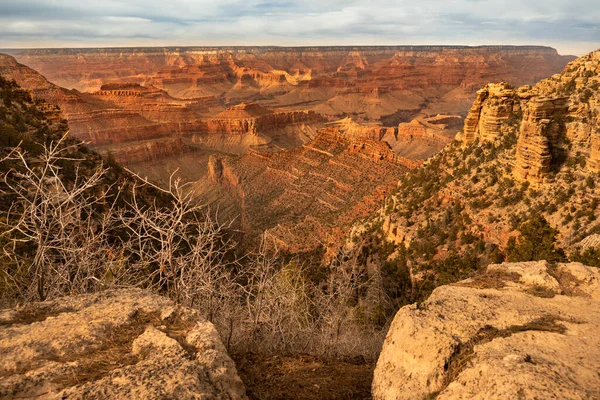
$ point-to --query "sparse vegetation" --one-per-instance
(537, 241)
(74, 223)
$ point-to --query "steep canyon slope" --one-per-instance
(525, 155)
(307, 196)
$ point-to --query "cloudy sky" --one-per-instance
(571, 26)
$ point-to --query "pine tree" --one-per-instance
(536, 242)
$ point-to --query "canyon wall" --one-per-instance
(138, 123)
(371, 81)
(87, 69)
(555, 120)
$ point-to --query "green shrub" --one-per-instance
(537, 241)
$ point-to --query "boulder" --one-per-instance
(124, 344)
(519, 330)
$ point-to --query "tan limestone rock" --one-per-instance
(521, 329)
(125, 344)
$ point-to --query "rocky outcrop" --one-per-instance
(559, 120)
(494, 105)
(148, 150)
(354, 130)
(251, 118)
(376, 151)
(554, 120)
(430, 129)
(590, 242)
(126, 344)
(525, 330)
(541, 132)
(221, 173)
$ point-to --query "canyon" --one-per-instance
(405, 210)
(227, 120)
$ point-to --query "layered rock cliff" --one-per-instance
(526, 330)
(115, 344)
(376, 80)
(557, 119)
(253, 119)
(494, 105)
(138, 124)
(525, 154)
(306, 196)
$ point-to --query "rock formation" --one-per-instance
(353, 129)
(590, 242)
(556, 119)
(525, 330)
(253, 119)
(429, 128)
(306, 196)
(540, 135)
(369, 81)
(494, 105)
(417, 140)
(144, 151)
(117, 344)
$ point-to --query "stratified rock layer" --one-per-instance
(556, 119)
(307, 196)
(126, 344)
(525, 330)
(541, 131)
(494, 105)
(368, 82)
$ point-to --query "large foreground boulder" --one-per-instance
(520, 330)
(126, 344)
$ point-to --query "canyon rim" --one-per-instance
(299, 200)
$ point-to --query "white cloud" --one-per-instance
(570, 25)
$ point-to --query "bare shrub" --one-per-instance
(286, 313)
(53, 236)
(67, 236)
(181, 248)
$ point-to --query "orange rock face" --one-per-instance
(555, 120)
(329, 80)
(494, 105)
(301, 197)
(133, 121)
